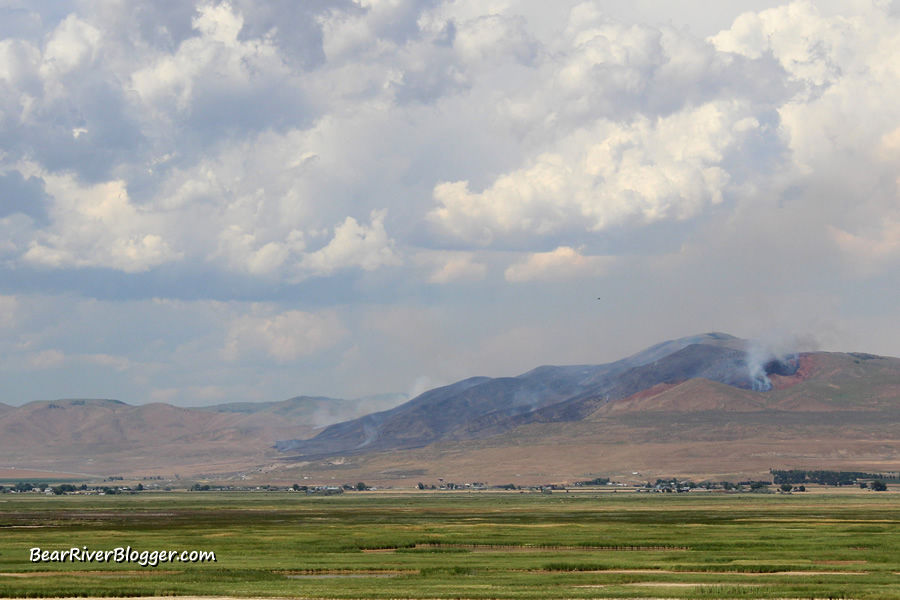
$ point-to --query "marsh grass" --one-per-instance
(461, 545)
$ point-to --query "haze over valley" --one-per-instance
(703, 406)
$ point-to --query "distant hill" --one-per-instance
(706, 406)
(481, 406)
(105, 436)
(709, 405)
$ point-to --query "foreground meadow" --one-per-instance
(460, 545)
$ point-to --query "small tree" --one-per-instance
(786, 487)
(879, 486)
(420, 485)
(360, 487)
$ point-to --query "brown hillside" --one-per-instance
(679, 408)
(108, 437)
(838, 411)
(690, 396)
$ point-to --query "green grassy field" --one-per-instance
(462, 545)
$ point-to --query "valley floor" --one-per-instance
(457, 545)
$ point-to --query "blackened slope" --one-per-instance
(717, 363)
(450, 412)
(467, 409)
(481, 407)
(722, 364)
(419, 414)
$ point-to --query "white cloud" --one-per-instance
(838, 61)
(839, 125)
(561, 264)
(282, 336)
(354, 245)
(807, 45)
(454, 266)
(492, 38)
(72, 45)
(216, 59)
(98, 226)
(46, 359)
(246, 253)
(609, 175)
(872, 252)
(256, 149)
(18, 62)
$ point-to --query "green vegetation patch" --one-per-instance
(458, 545)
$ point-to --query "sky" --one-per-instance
(208, 202)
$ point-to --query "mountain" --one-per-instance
(107, 436)
(706, 406)
(483, 406)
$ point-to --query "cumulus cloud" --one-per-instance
(244, 251)
(73, 45)
(46, 359)
(561, 264)
(282, 336)
(216, 74)
(453, 266)
(491, 38)
(613, 174)
(368, 247)
(98, 226)
(228, 150)
(839, 124)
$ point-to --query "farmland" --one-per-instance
(459, 545)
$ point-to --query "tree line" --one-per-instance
(836, 478)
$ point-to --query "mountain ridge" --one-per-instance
(834, 411)
(78, 432)
(692, 406)
(480, 407)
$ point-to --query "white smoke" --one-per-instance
(370, 431)
(757, 357)
(777, 353)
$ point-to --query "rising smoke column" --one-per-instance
(762, 361)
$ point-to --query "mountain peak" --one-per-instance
(484, 406)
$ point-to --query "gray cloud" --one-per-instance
(25, 196)
(425, 190)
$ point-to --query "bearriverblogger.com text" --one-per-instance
(145, 558)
